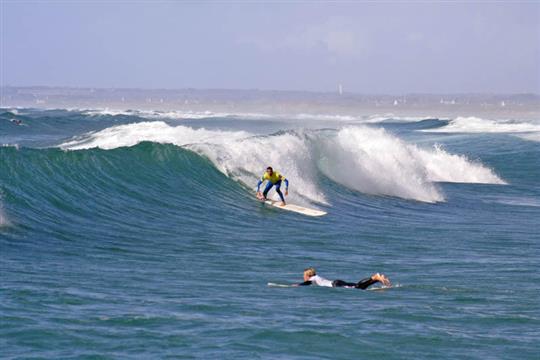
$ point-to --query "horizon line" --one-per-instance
(336, 92)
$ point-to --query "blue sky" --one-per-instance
(383, 47)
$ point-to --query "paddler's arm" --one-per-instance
(305, 283)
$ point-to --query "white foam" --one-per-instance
(185, 114)
(151, 114)
(290, 154)
(99, 112)
(155, 131)
(361, 158)
(180, 115)
(4, 222)
(325, 117)
(238, 154)
(375, 162)
(444, 167)
(530, 136)
(477, 125)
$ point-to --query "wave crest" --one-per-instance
(478, 125)
(375, 162)
(361, 158)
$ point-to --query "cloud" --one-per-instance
(337, 37)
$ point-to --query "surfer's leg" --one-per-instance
(365, 283)
(375, 278)
(341, 283)
(267, 189)
(278, 185)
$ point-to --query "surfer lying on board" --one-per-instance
(274, 179)
(311, 278)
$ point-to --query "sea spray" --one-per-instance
(445, 167)
(374, 162)
(155, 131)
(288, 152)
(238, 154)
(365, 159)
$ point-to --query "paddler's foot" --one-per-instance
(381, 278)
(282, 203)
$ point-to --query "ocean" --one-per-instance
(136, 234)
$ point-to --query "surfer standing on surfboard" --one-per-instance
(274, 179)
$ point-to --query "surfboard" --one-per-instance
(279, 285)
(295, 208)
(375, 288)
(379, 288)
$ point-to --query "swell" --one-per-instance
(365, 159)
(46, 188)
(177, 174)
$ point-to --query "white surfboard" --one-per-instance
(295, 208)
(279, 285)
(376, 288)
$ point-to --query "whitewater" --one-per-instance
(361, 158)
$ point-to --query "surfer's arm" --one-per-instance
(305, 283)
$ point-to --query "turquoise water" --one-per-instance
(132, 235)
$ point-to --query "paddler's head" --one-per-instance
(269, 170)
(309, 272)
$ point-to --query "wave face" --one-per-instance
(106, 188)
(361, 158)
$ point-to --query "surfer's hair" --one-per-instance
(269, 168)
(310, 271)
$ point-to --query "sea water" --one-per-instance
(136, 234)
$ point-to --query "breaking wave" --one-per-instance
(478, 125)
(364, 159)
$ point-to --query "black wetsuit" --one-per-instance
(362, 284)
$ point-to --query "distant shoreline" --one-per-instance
(496, 106)
(271, 91)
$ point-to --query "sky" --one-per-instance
(368, 47)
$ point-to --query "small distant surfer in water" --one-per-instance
(16, 121)
(274, 179)
(311, 278)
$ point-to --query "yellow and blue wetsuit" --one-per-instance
(273, 180)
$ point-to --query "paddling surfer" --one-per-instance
(311, 278)
(274, 179)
